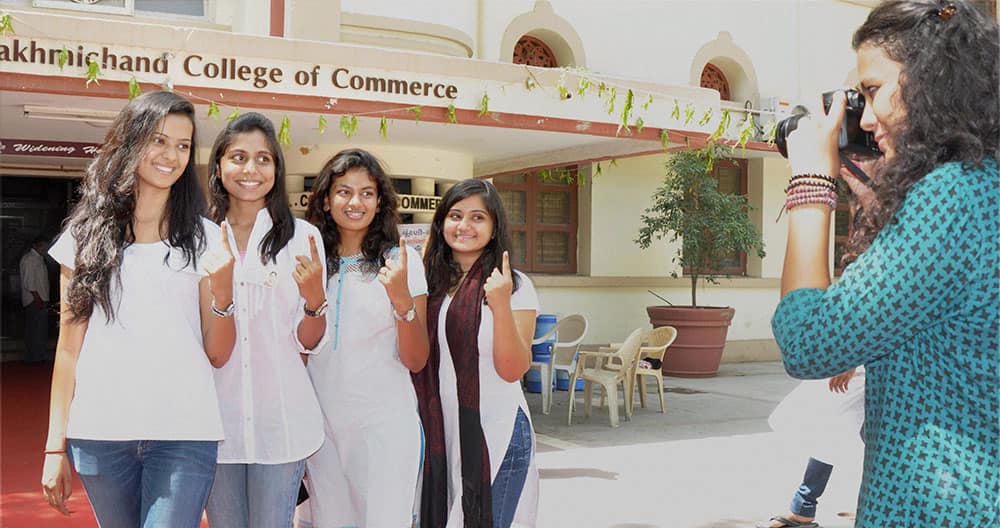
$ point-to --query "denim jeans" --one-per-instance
(145, 483)
(813, 484)
(513, 472)
(254, 495)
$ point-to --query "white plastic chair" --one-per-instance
(624, 358)
(570, 332)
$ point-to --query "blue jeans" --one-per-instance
(254, 495)
(813, 484)
(509, 482)
(145, 483)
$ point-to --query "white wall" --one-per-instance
(619, 196)
(457, 14)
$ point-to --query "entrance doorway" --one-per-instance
(29, 207)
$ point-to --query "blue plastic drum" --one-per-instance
(541, 351)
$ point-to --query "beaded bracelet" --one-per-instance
(810, 190)
(827, 198)
(810, 184)
(829, 179)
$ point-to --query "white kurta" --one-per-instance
(367, 472)
(269, 409)
(499, 401)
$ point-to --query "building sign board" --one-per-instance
(408, 203)
(43, 147)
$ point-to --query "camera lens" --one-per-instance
(786, 126)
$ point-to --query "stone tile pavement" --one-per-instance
(709, 461)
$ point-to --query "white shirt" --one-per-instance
(499, 399)
(34, 277)
(269, 410)
(145, 375)
(359, 375)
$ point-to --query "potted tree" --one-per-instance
(712, 227)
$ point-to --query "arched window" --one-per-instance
(712, 77)
(533, 52)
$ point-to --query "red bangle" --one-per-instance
(54, 452)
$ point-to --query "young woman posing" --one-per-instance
(270, 414)
(366, 474)
(481, 319)
(133, 405)
(918, 307)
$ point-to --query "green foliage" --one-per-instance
(484, 105)
(639, 123)
(706, 117)
(383, 127)
(63, 57)
(747, 131)
(665, 139)
(417, 111)
(93, 72)
(7, 25)
(676, 112)
(649, 101)
(213, 109)
(134, 90)
(323, 124)
(348, 125)
(688, 113)
(233, 115)
(452, 116)
(284, 133)
(770, 131)
(626, 113)
(612, 97)
(583, 86)
(723, 126)
(711, 225)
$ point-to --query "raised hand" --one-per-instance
(57, 481)
(499, 285)
(219, 264)
(393, 277)
(308, 275)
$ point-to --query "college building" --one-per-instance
(571, 107)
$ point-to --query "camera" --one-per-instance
(853, 140)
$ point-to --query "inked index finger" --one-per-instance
(312, 248)
(402, 252)
(225, 237)
(505, 265)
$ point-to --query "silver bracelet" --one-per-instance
(228, 312)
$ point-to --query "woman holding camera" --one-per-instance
(919, 305)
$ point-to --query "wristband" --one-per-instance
(228, 312)
(408, 315)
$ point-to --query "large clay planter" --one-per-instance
(701, 338)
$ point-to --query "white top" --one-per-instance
(34, 277)
(145, 375)
(359, 373)
(269, 410)
(498, 399)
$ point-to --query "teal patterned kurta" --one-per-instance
(920, 310)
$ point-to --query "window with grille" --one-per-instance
(712, 77)
(533, 52)
(542, 220)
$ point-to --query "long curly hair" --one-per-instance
(282, 221)
(443, 272)
(102, 220)
(948, 88)
(383, 232)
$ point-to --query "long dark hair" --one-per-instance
(442, 271)
(102, 220)
(383, 233)
(282, 221)
(948, 88)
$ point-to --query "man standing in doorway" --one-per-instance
(35, 299)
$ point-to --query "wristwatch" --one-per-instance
(318, 312)
(408, 315)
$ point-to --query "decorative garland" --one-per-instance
(586, 83)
